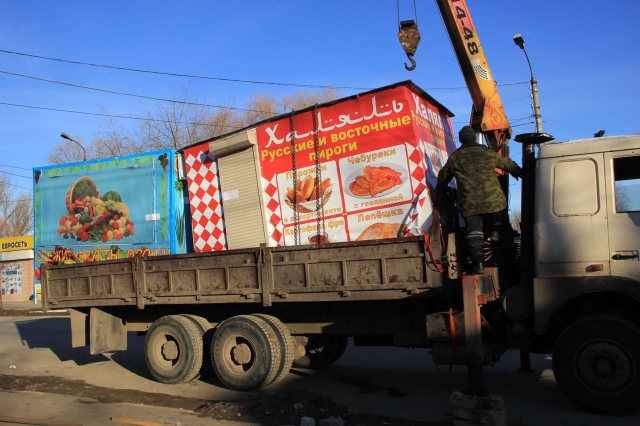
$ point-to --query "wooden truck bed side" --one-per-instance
(363, 270)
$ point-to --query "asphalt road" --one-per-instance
(400, 383)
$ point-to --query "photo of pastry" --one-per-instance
(379, 231)
(306, 194)
(435, 160)
(374, 181)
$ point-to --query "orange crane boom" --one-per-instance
(487, 115)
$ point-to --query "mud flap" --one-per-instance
(108, 333)
(79, 328)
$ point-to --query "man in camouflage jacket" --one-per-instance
(479, 192)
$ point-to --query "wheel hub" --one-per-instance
(604, 367)
(241, 354)
(170, 350)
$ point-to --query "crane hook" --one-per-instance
(413, 64)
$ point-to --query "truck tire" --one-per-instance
(596, 362)
(342, 348)
(206, 333)
(173, 350)
(321, 351)
(245, 353)
(286, 343)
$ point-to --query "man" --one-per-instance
(479, 193)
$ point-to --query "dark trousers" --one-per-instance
(494, 223)
(475, 234)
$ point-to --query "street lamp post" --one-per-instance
(529, 142)
(69, 138)
(519, 41)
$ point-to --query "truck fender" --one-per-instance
(551, 294)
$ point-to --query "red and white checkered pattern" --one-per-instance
(417, 168)
(207, 218)
(274, 213)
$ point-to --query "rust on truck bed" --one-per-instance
(363, 270)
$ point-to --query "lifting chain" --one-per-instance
(294, 174)
(320, 227)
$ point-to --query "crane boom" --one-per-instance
(488, 115)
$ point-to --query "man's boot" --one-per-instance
(477, 258)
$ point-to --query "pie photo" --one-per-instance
(380, 231)
(373, 181)
(305, 198)
(435, 160)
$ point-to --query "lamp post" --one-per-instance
(69, 138)
(529, 141)
(519, 41)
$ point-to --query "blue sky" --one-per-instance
(583, 53)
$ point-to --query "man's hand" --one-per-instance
(517, 173)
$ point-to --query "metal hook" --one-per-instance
(413, 64)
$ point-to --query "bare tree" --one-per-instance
(302, 99)
(188, 120)
(113, 140)
(174, 125)
(263, 105)
(515, 216)
(16, 210)
(224, 120)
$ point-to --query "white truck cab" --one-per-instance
(587, 218)
(588, 208)
(587, 271)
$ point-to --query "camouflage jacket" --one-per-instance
(479, 191)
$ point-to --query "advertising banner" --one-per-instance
(109, 209)
(377, 154)
(11, 275)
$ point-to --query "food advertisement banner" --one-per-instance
(109, 209)
(376, 155)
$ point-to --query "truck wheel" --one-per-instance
(321, 351)
(173, 350)
(205, 331)
(342, 348)
(286, 342)
(245, 353)
(596, 361)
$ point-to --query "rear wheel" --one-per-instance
(342, 348)
(596, 361)
(245, 353)
(205, 331)
(286, 343)
(173, 350)
(321, 351)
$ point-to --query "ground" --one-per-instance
(368, 386)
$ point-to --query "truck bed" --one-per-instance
(363, 270)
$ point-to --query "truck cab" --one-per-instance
(587, 270)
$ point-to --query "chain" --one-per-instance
(294, 174)
(320, 228)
